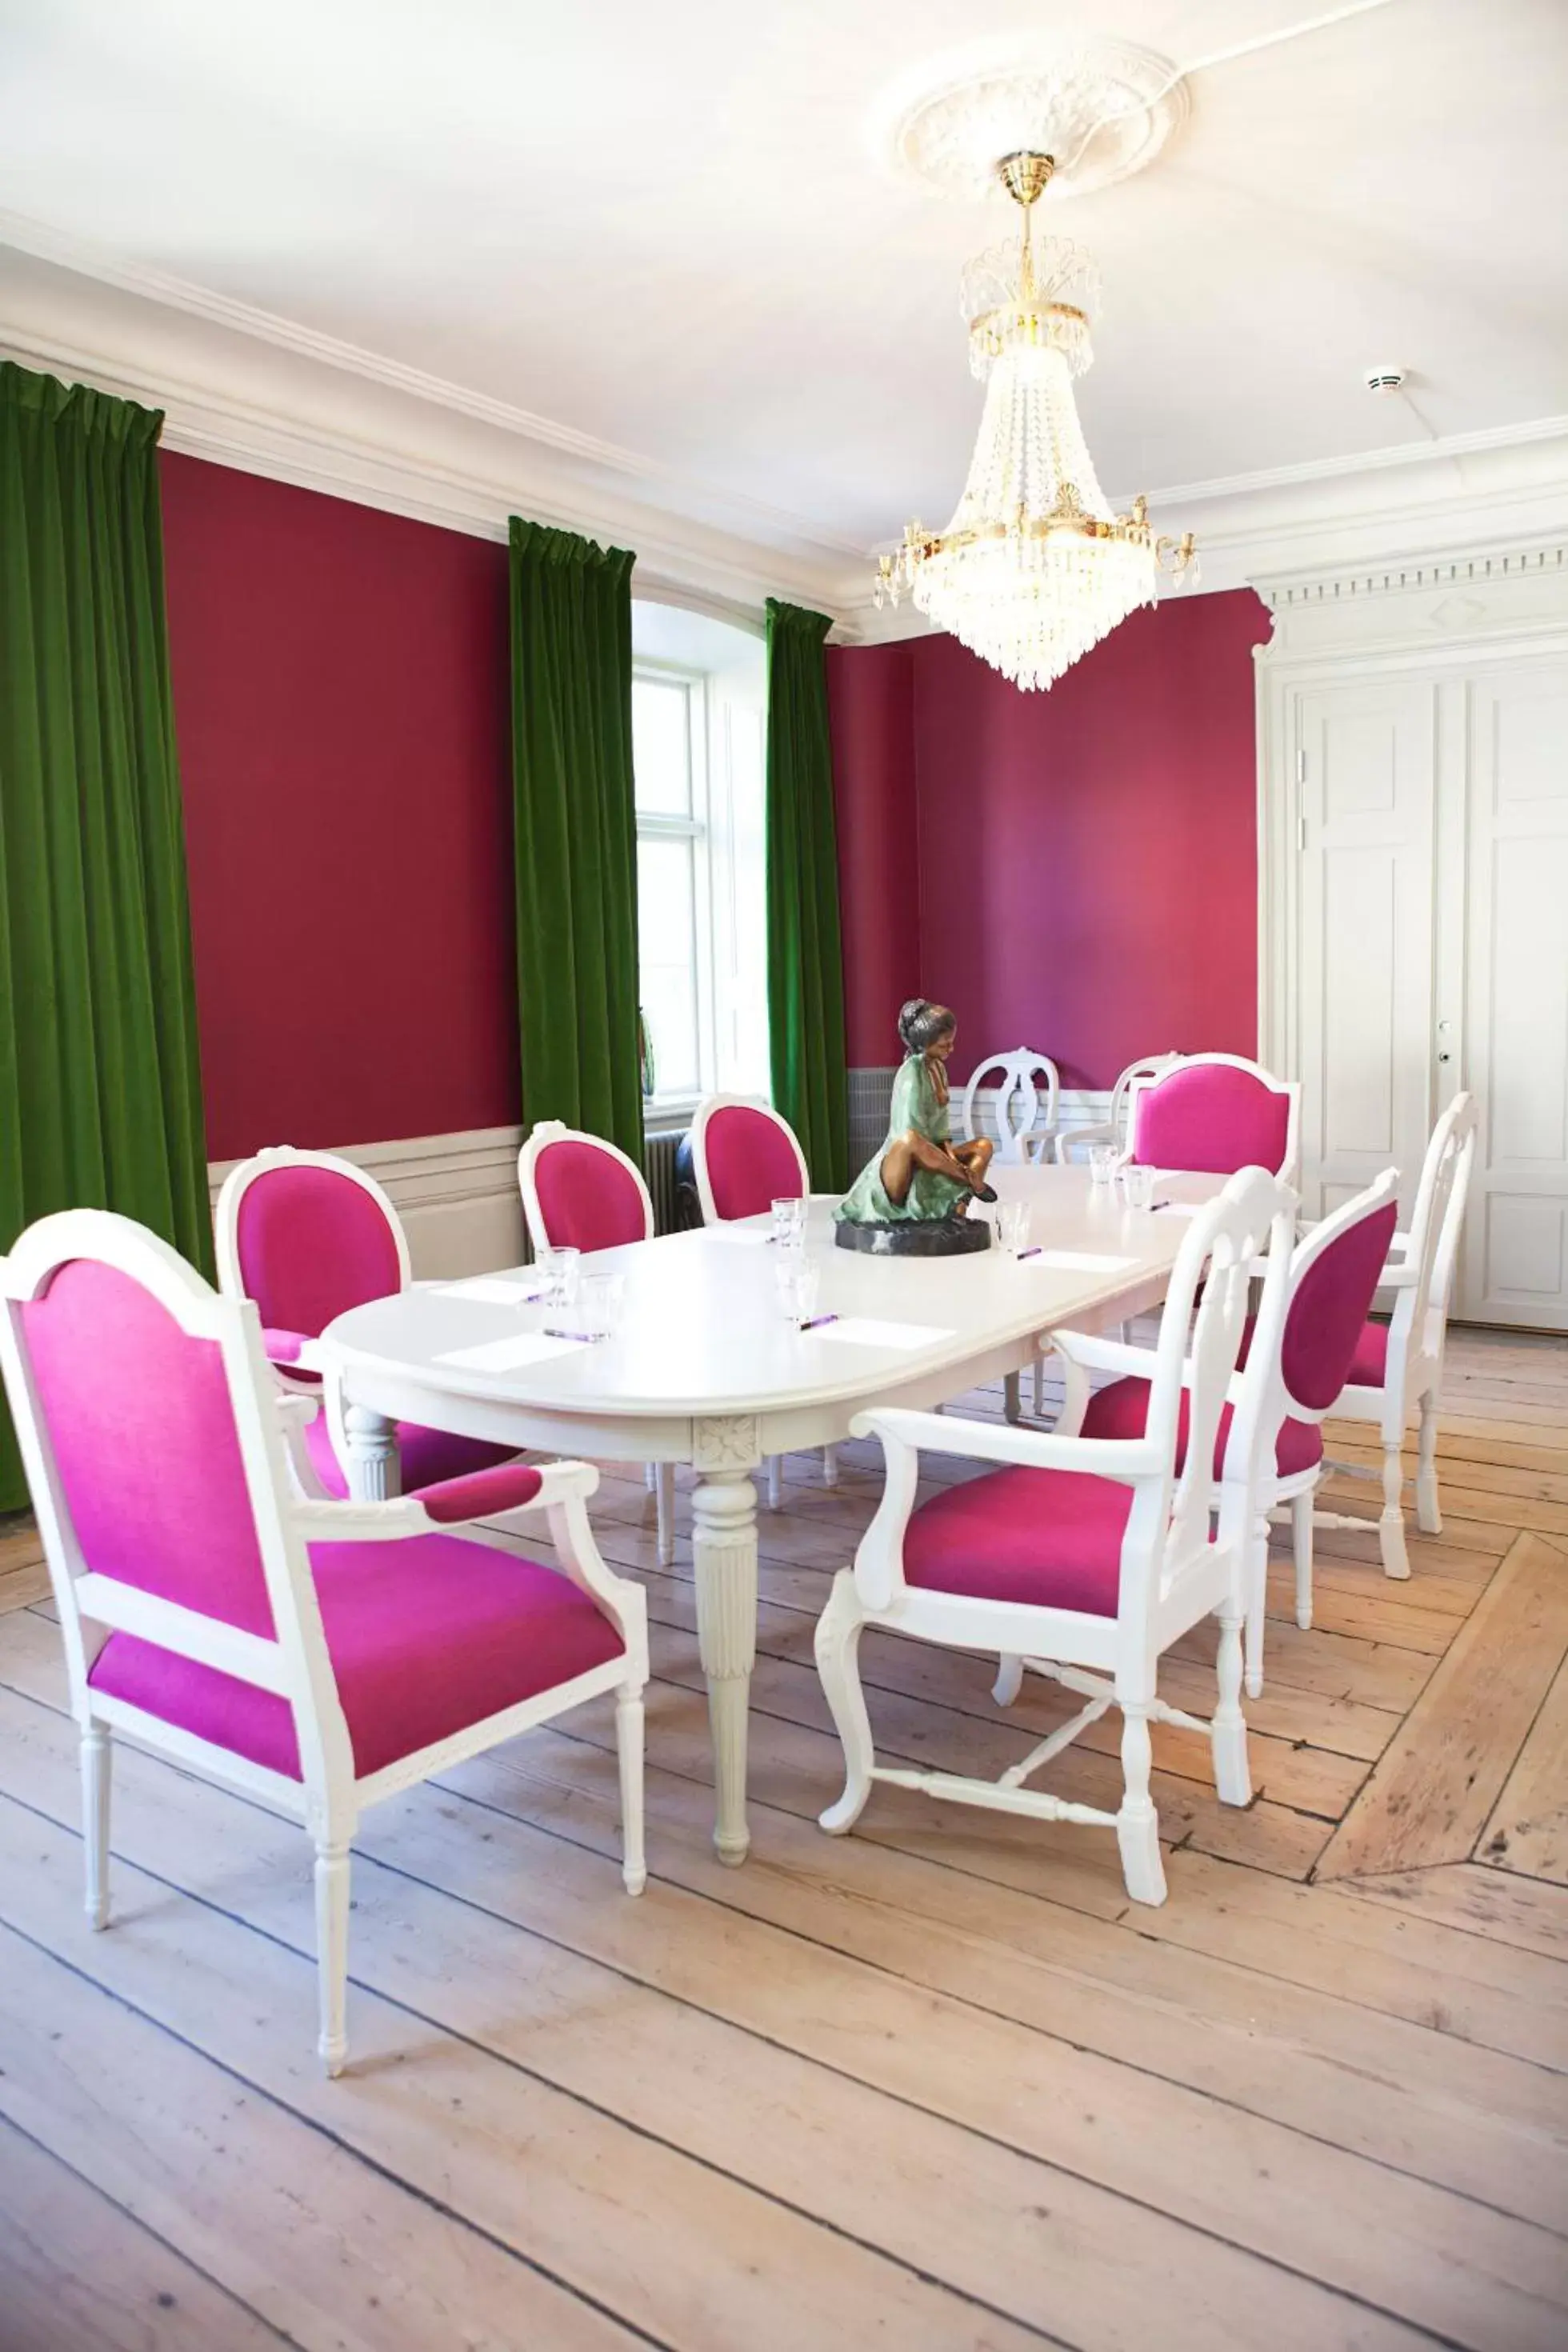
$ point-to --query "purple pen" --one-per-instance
(817, 1321)
(587, 1338)
(1034, 1251)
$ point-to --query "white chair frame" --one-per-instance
(705, 1110)
(1176, 1567)
(1113, 1127)
(325, 1391)
(1290, 1088)
(1030, 1137)
(329, 1796)
(660, 1475)
(1420, 1274)
(1083, 1353)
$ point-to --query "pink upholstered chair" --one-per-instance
(1213, 1113)
(581, 1192)
(745, 1156)
(307, 1236)
(318, 1655)
(1303, 1359)
(1112, 1128)
(1086, 1556)
(1397, 1371)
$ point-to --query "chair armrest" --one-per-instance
(1127, 1459)
(1100, 1131)
(1097, 1355)
(451, 1502)
(293, 1351)
(1398, 1277)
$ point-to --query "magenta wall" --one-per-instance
(342, 698)
(1086, 859)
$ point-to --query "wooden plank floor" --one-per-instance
(937, 2084)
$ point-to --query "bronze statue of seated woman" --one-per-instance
(913, 1197)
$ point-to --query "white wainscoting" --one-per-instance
(870, 1089)
(457, 1196)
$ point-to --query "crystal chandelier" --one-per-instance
(1034, 567)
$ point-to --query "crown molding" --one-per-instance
(750, 518)
(1451, 447)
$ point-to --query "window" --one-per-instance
(698, 760)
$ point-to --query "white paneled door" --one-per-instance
(1515, 1040)
(1366, 768)
(1422, 859)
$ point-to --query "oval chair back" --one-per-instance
(306, 1235)
(1211, 1114)
(744, 1157)
(581, 1192)
(1026, 1115)
(1438, 1220)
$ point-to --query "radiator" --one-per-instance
(659, 1166)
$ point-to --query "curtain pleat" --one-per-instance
(575, 833)
(805, 962)
(99, 1079)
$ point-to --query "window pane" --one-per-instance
(661, 746)
(667, 956)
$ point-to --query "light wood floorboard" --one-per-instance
(937, 2084)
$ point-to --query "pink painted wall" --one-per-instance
(1087, 872)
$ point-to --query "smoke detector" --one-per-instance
(1384, 379)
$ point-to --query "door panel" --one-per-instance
(1515, 1267)
(1366, 768)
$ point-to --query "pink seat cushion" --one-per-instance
(588, 1199)
(426, 1636)
(1213, 1120)
(751, 1161)
(1369, 1365)
(425, 1457)
(311, 1244)
(1049, 1538)
(1122, 1409)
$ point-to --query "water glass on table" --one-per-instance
(601, 1298)
(1102, 1159)
(789, 1221)
(798, 1279)
(1013, 1227)
(1138, 1187)
(559, 1269)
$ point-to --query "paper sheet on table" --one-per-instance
(1078, 1262)
(1178, 1208)
(866, 1332)
(742, 1236)
(495, 1289)
(510, 1355)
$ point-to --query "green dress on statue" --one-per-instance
(915, 1105)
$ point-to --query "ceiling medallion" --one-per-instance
(1034, 567)
(1103, 110)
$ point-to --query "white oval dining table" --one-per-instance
(704, 1369)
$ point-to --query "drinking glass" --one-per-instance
(1102, 1159)
(799, 1278)
(599, 1307)
(789, 1221)
(559, 1269)
(1138, 1187)
(1013, 1225)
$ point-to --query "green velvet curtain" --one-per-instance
(805, 962)
(99, 1085)
(576, 832)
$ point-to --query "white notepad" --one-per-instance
(866, 1332)
(496, 1289)
(510, 1355)
(1078, 1262)
(742, 1236)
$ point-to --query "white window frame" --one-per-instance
(666, 1109)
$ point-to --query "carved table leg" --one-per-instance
(372, 1464)
(724, 1550)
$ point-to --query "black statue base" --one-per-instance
(916, 1237)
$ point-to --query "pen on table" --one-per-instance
(817, 1321)
(1034, 1252)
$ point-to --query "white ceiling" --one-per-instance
(668, 227)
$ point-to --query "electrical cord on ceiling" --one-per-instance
(1221, 57)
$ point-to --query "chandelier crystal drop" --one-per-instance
(1034, 567)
